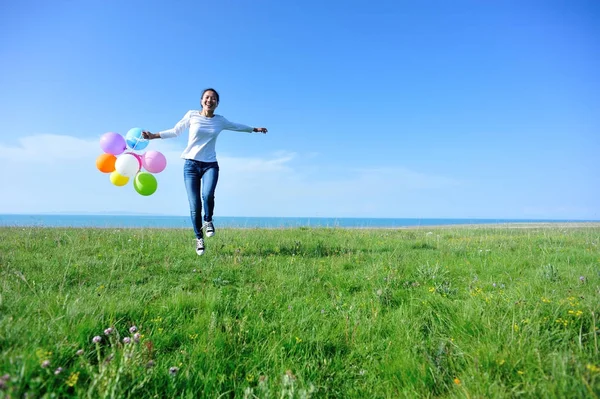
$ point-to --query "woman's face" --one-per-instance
(209, 101)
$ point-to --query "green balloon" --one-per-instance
(145, 183)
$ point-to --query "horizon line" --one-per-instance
(301, 217)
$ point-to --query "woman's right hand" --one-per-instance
(150, 136)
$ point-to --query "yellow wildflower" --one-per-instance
(562, 321)
(72, 380)
(593, 368)
(43, 354)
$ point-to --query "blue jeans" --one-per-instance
(200, 182)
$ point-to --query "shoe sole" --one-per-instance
(200, 252)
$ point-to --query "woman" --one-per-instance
(201, 170)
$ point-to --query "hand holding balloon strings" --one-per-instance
(150, 136)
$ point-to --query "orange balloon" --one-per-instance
(106, 163)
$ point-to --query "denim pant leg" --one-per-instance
(210, 177)
(192, 177)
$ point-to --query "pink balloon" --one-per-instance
(154, 161)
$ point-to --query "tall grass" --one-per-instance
(308, 312)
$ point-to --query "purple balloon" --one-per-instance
(112, 143)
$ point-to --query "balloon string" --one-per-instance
(137, 141)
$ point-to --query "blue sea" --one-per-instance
(136, 221)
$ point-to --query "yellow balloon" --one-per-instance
(117, 179)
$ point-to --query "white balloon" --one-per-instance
(127, 165)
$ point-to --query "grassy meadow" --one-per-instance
(460, 312)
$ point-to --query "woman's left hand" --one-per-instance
(260, 130)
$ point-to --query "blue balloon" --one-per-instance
(134, 139)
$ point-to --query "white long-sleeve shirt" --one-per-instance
(203, 133)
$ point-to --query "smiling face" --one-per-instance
(210, 100)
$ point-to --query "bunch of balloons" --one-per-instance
(123, 159)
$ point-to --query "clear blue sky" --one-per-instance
(474, 109)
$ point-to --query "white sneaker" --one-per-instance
(199, 246)
(210, 229)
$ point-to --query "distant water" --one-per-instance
(129, 221)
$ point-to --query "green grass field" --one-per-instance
(466, 312)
